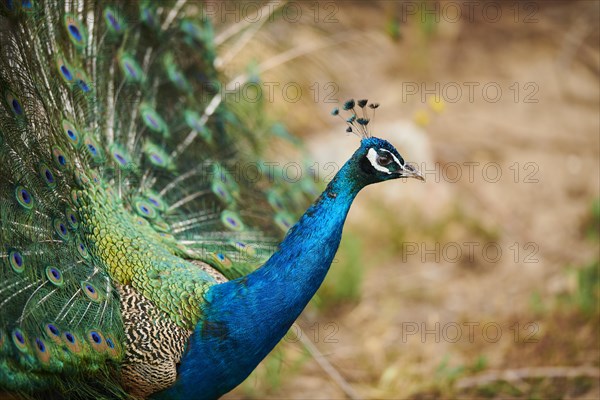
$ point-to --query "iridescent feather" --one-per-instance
(116, 179)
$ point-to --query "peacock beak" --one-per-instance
(408, 171)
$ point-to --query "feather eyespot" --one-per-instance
(112, 347)
(16, 261)
(83, 252)
(147, 15)
(82, 81)
(131, 69)
(114, 21)
(40, 345)
(163, 227)
(153, 120)
(81, 179)
(167, 236)
(157, 156)
(20, 340)
(193, 120)
(19, 336)
(61, 229)
(47, 176)
(71, 132)
(27, 4)
(192, 30)
(119, 158)
(145, 209)
(275, 201)
(76, 30)
(222, 260)
(14, 104)
(60, 158)
(54, 276)
(83, 85)
(52, 332)
(96, 178)
(141, 221)
(72, 218)
(16, 107)
(157, 159)
(244, 248)
(284, 221)
(71, 342)
(120, 155)
(221, 191)
(231, 221)
(66, 73)
(96, 341)
(156, 201)
(24, 198)
(90, 291)
(94, 150)
(178, 79)
(41, 350)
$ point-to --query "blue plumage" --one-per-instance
(134, 259)
(246, 317)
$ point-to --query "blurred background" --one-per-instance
(484, 281)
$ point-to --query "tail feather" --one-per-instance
(123, 97)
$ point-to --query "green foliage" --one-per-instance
(480, 364)
(344, 280)
(456, 225)
(446, 373)
(586, 296)
(392, 28)
(282, 363)
(536, 303)
(427, 19)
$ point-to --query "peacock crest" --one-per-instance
(357, 124)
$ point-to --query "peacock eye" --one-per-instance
(384, 159)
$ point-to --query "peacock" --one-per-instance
(134, 261)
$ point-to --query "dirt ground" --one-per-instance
(478, 271)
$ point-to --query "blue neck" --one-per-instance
(245, 318)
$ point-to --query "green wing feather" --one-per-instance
(118, 165)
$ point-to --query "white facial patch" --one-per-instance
(372, 156)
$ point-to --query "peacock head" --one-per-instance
(379, 161)
(376, 160)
